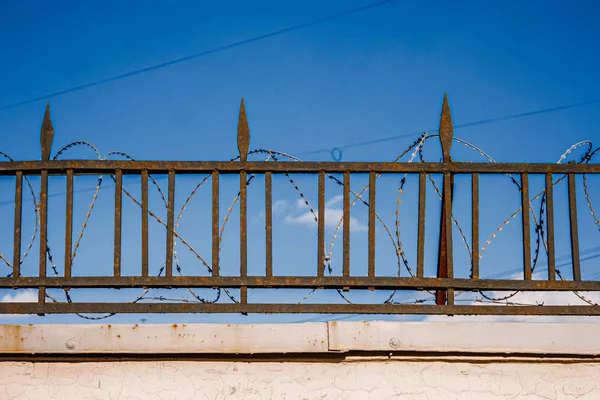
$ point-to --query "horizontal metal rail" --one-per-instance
(134, 308)
(298, 282)
(226, 167)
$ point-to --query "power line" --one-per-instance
(339, 149)
(201, 54)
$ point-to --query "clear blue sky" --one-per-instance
(377, 73)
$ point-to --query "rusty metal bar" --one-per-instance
(269, 224)
(444, 268)
(574, 229)
(346, 217)
(243, 236)
(372, 211)
(321, 226)
(330, 282)
(43, 232)
(145, 262)
(170, 223)
(57, 167)
(215, 224)
(129, 308)
(526, 226)
(69, 224)
(447, 199)
(550, 230)
(475, 225)
(421, 226)
(17, 225)
(118, 212)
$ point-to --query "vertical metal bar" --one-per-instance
(372, 211)
(170, 222)
(421, 227)
(243, 237)
(43, 231)
(444, 268)
(448, 183)
(526, 226)
(17, 226)
(321, 226)
(269, 223)
(215, 224)
(346, 217)
(475, 225)
(574, 229)
(445, 265)
(69, 224)
(117, 235)
(550, 222)
(145, 222)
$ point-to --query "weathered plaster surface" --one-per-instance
(381, 380)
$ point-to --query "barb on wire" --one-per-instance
(416, 149)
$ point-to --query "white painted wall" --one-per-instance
(379, 360)
(278, 380)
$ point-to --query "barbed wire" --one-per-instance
(417, 148)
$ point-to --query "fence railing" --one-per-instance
(444, 284)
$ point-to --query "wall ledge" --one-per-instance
(450, 340)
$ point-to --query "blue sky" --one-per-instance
(374, 74)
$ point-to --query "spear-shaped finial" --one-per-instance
(446, 129)
(243, 133)
(47, 134)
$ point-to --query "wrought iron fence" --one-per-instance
(443, 286)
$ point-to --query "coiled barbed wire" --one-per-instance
(395, 237)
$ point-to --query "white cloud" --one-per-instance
(21, 296)
(25, 296)
(306, 218)
(334, 200)
(280, 206)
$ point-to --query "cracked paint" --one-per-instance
(402, 380)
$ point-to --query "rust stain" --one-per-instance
(118, 336)
(135, 326)
(14, 332)
(174, 326)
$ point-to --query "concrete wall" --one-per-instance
(358, 380)
(375, 360)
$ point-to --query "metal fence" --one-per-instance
(443, 285)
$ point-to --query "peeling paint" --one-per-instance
(376, 380)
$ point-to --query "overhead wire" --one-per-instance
(337, 152)
(200, 54)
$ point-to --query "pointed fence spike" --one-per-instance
(446, 130)
(243, 133)
(47, 134)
